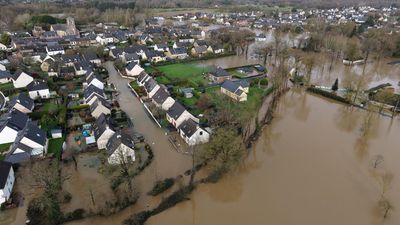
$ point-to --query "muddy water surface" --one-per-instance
(306, 168)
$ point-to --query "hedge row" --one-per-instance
(328, 94)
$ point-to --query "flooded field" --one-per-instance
(306, 168)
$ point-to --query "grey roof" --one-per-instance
(93, 90)
(131, 65)
(131, 57)
(102, 124)
(219, 72)
(89, 56)
(93, 76)
(23, 100)
(188, 127)
(142, 77)
(233, 87)
(176, 110)
(162, 45)
(71, 58)
(16, 75)
(5, 168)
(201, 49)
(15, 158)
(97, 103)
(150, 85)
(37, 85)
(13, 119)
(178, 51)
(5, 75)
(116, 140)
(160, 96)
(34, 133)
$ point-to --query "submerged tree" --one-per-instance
(335, 86)
(225, 150)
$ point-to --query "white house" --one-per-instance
(177, 114)
(99, 107)
(5, 76)
(120, 149)
(162, 99)
(22, 103)
(35, 138)
(7, 180)
(103, 131)
(236, 90)
(192, 133)
(161, 47)
(11, 123)
(105, 39)
(95, 79)
(133, 69)
(38, 89)
(55, 50)
(92, 93)
(151, 87)
(21, 80)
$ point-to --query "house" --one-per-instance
(105, 39)
(31, 143)
(21, 79)
(2, 67)
(151, 87)
(104, 129)
(178, 53)
(7, 179)
(201, 50)
(100, 107)
(38, 89)
(81, 68)
(67, 71)
(22, 103)
(133, 69)
(155, 57)
(92, 57)
(236, 90)
(192, 133)
(130, 57)
(142, 79)
(55, 49)
(92, 93)
(70, 59)
(95, 79)
(261, 37)
(176, 114)
(120, 149)
(161, 47)
(11, 123)
(217, 48)
(5, 77)
(162, 99)
(218, 75)
(185, 45)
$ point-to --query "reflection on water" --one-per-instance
(305, 169)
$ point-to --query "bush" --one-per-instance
(77, 214)
(328, 94)
(161, 186)
(67, 197)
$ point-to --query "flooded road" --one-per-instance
(306, 168)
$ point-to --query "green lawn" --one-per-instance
(6, 86)
(185, 73)
(5, 147)
(55, 146)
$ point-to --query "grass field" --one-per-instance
(55, 146)
(190, 73)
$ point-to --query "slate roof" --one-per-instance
(5, 168)
(89, 56)
(160, 96)
(13, 119)
(102, 124)
(219, 72)
(34, 133)
(91, 90)
(131, 57)
(188, 127)
(93, 76)
(178, 51)
(98, 102)
(71, 58)
(5, 75)
(176, 110)
(142, 77)
(131, 65)
(23, 100)
(16, 75)
(18, 157)
(116, 140)
(150, 84)
(233, 87)
(201, 49)
(37, 85)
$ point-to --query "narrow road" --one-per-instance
(169, 162)
(166, 163)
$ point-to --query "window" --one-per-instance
(201, 132)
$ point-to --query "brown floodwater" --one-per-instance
(308, 167)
